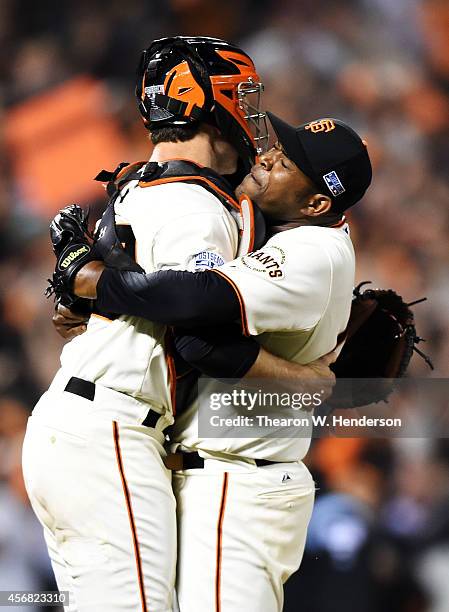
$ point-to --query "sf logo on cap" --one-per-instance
(323, 125)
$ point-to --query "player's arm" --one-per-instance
(170, 297)
(225, 353)
(203, 236)
(293, 300)
(192, 300)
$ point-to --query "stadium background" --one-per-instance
(379, 539)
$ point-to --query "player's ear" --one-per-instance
(316, 205)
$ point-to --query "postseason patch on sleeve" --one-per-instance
(334, 184)
(207, 260)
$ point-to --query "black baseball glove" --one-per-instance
(380, 340)
(72, 245)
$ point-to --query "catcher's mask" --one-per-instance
(184, 79)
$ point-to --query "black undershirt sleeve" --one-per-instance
(221, 352)
(188, 299)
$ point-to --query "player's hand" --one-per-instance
(69, 324)
(72, 245)
(320, 367)
(71, 224)
(322, 379)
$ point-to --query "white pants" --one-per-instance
(97, 483)
(241, 534)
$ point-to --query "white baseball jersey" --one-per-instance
(179, 226)
(297, 293)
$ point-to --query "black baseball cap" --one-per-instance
(331, 154)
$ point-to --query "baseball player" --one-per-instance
(244, 504)
(93, 452)
(94, 445)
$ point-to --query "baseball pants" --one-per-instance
(96, 481)
(241, 534)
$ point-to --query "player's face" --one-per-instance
(277, 185)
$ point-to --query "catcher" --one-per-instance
(244, 504)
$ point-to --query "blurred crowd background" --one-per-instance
(379, 538)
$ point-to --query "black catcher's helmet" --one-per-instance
(185, 79)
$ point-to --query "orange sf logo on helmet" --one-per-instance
(180, 84)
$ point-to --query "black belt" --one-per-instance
(192, 461)
(86, 389)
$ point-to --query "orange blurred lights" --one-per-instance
(59, 141)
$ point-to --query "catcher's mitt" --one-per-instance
(71, 242)
(380, 340)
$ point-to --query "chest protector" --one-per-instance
(110, 237)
